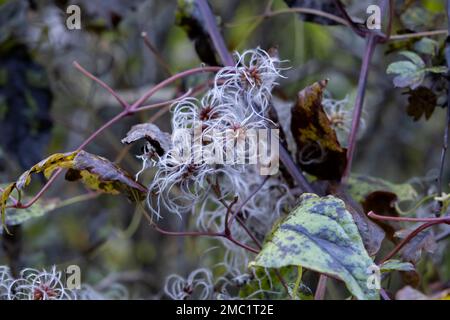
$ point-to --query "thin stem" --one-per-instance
(373, 215)
(124, 104)
(127, 111)
(409, 238)
(357, 111)
(407, 36)
(214, 33)
(308, 11)
(40, 193)
(168, 81)
(349, 21)
(163, 103)
(243, 203)
(447, 126)
(294, 171)
(155, 52)
(321, 287)
(242, 245)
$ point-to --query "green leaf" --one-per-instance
(18, 216)
(411, 73)
(427, 46)
(321, 235)
(265, 284)
(396, 265)
(437, 69)
(360, 186)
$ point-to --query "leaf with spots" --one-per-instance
(321, 235)
(319, 151)
(96, 172)
(100, 174)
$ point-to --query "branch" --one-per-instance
(447, 125)
(321, 287)
(357, 111)
(229, 221)
(128, 110)
(373, 215)
(124, 104)
(410, 237)
(214, 33)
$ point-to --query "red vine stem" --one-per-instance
(214, 33)
(357, 111)
(373, 215)
(410, 237)
(429, 222)
(124, 104)
(128, 110)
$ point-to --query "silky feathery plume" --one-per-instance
(340, 114)
(197, 285)
(206, 129)
(39, 285)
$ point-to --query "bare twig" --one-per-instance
(321, 287)
(156, 53)
(359, 100)
(214, 33)
(447, 124)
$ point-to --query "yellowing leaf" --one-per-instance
(100, 174)
(47, 166)
(319, 151)
(96, 172)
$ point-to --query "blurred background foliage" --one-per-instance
(46, 106)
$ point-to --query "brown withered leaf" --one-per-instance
(421, 101)
(319, 151)
(100, 174)
(159, 140)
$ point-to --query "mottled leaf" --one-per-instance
(100, 174)
(321, 235)
(159, 141)
(47, 166)
(96, 172)
(396, 265)
(319, 151)
(371, 234)
(421, 101)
